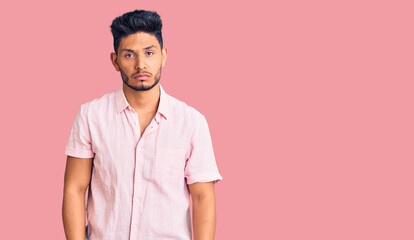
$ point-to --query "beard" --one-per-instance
(142, 86)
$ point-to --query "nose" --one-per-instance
(140, 62)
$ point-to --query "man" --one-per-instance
(141, 152)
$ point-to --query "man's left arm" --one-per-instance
(204, 210)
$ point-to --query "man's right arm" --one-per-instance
(77, 178)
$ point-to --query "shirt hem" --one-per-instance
(205, 177)
(79, 153)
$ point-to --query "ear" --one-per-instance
(114, 61)
(164, 56)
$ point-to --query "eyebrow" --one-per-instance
(130, 50)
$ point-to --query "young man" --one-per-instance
(141, 152)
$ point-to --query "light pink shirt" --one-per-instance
(138, 188)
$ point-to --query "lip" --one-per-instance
(141, 76)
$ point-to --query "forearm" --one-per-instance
(204, 218)
(73, 214)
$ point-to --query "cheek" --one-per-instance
(155, 62)
(126, 66)
(155, 67)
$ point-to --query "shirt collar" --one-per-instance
(122, 103)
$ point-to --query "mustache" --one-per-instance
(140, 73)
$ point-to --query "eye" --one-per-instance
(129, 55)
(150, 53)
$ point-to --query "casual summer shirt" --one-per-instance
(139, 184)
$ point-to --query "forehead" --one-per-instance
(138, 40)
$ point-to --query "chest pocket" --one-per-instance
(170, 163)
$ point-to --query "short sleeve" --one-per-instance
(201, 165)
(79, 143)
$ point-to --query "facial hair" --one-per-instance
(142, 87)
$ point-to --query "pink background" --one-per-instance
(309, 103)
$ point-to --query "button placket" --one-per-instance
(137, 179)
(139, 189)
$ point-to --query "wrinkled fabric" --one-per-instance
(139, 184)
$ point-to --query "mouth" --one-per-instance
(141, 76)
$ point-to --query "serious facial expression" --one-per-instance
(139, 60)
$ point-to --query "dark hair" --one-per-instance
(136, 21)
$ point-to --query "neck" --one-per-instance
(143, 101)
